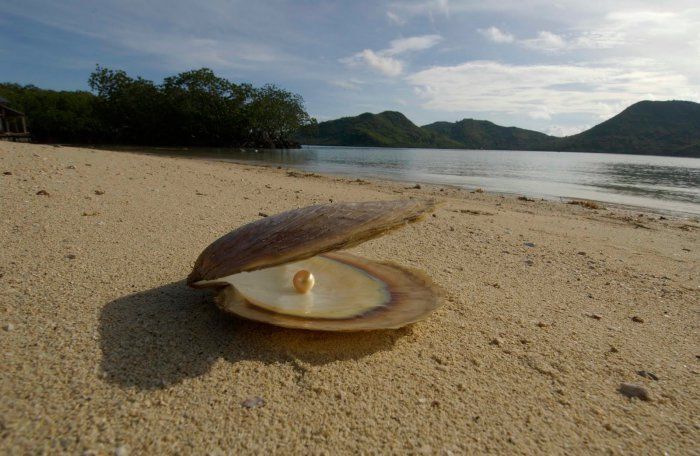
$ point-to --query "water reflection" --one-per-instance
(647, 174)
(662, 183)
(670, 183)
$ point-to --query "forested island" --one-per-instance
(199, 108)
(646, 127)
(193, 108)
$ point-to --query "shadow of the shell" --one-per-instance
(159, 337)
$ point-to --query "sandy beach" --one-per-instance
(548, 308)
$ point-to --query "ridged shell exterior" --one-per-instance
(302, 233)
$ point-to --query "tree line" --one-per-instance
(193, 108)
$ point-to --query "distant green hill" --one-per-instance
(386, 129)
(482, 134)
(647, 127)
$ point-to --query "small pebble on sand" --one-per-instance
(637, 391)
(8, 327)
(253, 402)
(7, 173)
(647, 374)
(99, 192)
(43, 192)
(71, 256)
(121, 451)
(262, 214)
(637, 319)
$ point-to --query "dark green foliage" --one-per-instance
(55, 116)
(387, 129)
(482, 134)
(647, 127)
(199, 108)
(129, 109)
(274, 115)
(192, 108)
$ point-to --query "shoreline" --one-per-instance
(605, 205)
(548, 310)
(389, 178)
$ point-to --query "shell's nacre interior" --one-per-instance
(341, 290)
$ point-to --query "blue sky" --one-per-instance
(553, 66)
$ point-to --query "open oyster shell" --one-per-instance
(257, 268)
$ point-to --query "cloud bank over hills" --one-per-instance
(551, 67)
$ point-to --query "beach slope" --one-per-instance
(548, 309)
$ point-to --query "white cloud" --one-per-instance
(395, 18)
(195, 52)
(626, 19)
(600, 56)
(348, 84)
(384, 61)
(540, 112)
(496, 35)
(546, 41)
(551, 42)
(429, 8)
(629, 32)
(543, 91)
(414, 43)
(565, 130)
(172, 34)
(384, 64)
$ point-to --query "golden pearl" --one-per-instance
(303, 281)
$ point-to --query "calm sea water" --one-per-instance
(663, 183)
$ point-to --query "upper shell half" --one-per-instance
(302, 233)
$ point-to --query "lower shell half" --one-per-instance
(351, 294)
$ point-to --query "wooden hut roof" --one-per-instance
(4, 106)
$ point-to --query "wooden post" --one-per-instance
(24, 124)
